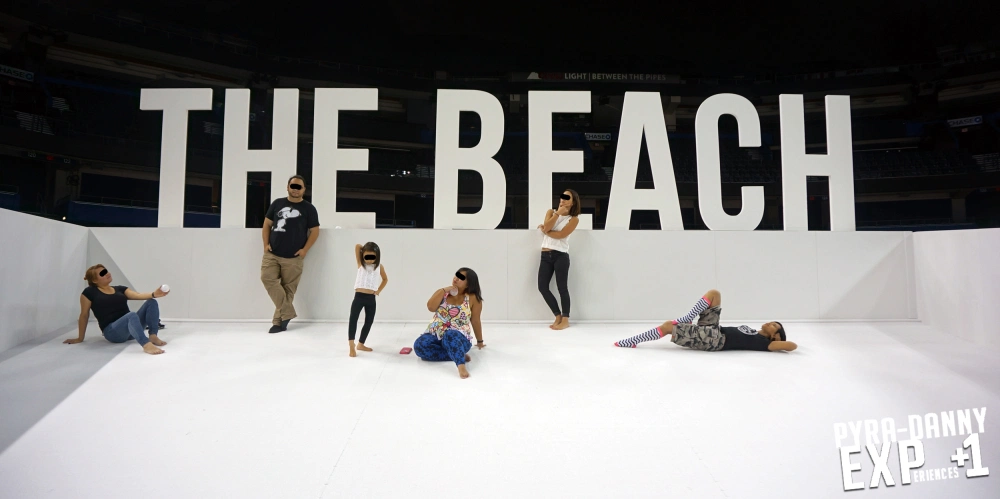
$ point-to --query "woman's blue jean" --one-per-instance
(452, 346)
(133, 324)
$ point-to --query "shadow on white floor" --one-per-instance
(230, 411)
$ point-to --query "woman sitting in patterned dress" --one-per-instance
(457, 309)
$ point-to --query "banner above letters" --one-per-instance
(596, 77)
(642, 117)
(971, 121)
(597, 137)
(20, 74)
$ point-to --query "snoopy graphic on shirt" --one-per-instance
(283, 215)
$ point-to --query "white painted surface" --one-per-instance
(797, 165)
(706, 123)
(42, 266)
(231, 411)
(643, 120)
(958, 282)
(329, 160)
(176, 105)
(614, 275)
(238, 159)
(543, 161)
(864, 274)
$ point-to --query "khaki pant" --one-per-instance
(281, 277)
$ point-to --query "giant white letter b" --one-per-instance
(449, 158)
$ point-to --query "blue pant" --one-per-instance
(453, 346)
(133, 324)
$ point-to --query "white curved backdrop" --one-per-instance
(214, 274)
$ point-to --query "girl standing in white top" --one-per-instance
(557, 227)
(370, 281)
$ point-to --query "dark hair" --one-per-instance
(293, 177)
(370, 246)
(472, 283)
(781, 331)
(575, 210)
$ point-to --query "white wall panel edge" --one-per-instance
(325, 295)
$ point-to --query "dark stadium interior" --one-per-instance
(924, 79)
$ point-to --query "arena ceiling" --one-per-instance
(692, 37)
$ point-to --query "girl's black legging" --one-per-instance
(361, 301)
(554, 262)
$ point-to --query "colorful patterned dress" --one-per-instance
(448, 316)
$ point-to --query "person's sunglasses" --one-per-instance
(103, 273)
(370, 257)
(566, 197)
(295, 186)
(459, 275)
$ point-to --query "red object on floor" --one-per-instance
(405, 350)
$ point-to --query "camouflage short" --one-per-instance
(705, 335)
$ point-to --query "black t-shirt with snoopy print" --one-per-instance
(290, 224)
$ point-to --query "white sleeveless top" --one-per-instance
(558, 244)
(369, 277)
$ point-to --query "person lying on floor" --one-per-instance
(709, 336)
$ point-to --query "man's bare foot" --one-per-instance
(463, 372)
(468, 358)
(154, 339)
(353, 353)
(563, 324)
(363, 348)
(151, 349)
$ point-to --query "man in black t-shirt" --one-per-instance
(291, 227)
(709, 336)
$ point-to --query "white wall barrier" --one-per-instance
(214, 274)
(42, 266)
(958, 282)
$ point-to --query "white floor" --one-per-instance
(230, 411)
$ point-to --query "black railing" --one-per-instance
(201, 209)
(394, 222)
(904, 222)
(134, 203)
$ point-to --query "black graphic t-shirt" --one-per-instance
(744, 338)
(107, 308)
(290, 226)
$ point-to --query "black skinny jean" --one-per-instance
(554, 262)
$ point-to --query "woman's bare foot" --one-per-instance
(151, 349)
(463, 372)
(556, 323)
(467, 358)
(363, 348)
(563, 324)
(353, 353)
(154, 339)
